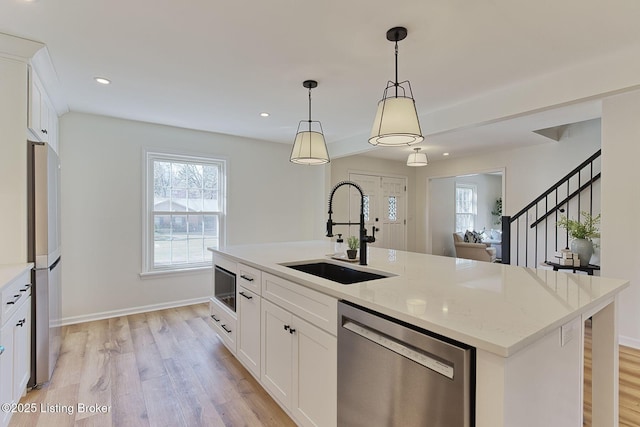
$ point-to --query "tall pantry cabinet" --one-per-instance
(15, 54)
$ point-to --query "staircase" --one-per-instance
(531, 236)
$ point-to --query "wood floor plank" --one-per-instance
(68, 368)
(95, 379)
(128, 405)
(148, 358)
(162, 334)
(120, 335)
(195, 404)
(161, 402)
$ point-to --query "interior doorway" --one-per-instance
(468, 201)
(385, 208)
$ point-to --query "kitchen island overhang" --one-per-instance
(515, 317)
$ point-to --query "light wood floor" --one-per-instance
(163, 368)
(167, 368)
(629, 383)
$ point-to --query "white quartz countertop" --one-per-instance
(8, 272)
(494, 307)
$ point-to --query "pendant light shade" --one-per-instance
(417, 158)
(309, 146)
(396, 122)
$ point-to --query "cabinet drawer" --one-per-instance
(316, 308)
(224, 324)
(14, 294)
(250, 278)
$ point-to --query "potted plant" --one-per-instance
(497, 211)
(353, 244)
(582, 233)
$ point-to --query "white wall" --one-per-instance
(442, 215)
(269, 199)
(529, 171)
(340, 169)
(620, 241)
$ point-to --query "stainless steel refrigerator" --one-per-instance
(44, 252)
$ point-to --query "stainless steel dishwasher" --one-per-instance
(393, 374)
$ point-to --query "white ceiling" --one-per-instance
(215, 65)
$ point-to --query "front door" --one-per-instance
(384, 208)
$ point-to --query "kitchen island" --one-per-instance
(526, 325)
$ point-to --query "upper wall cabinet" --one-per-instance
(43, 120)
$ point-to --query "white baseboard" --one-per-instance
(629, 342)
(127, 311)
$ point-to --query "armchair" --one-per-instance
(476, 251)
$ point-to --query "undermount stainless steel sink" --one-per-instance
(336, 272)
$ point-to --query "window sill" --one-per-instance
(174, 272)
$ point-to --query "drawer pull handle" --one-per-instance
(286, 327)
(1, 349)
(15, 299)
(26, 287)
(246, 296)
(247, 278)
(292, 331)
(21, 322)
(214, 318)
(226, 330)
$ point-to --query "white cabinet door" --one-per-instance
(276, 352)
(21, 348)
(15, 360)
(6, 370)
(314, 375)
(38, 108)
(248, 341)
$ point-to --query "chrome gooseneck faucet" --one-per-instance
(364, 239)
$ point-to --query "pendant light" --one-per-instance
(309, 147)
(396, 121)
(417, 158)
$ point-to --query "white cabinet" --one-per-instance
(42, 119)
(285, 335)
(15, 340)
(299, 359)
(249, 303)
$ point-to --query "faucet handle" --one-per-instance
(372, 238)
(329, 228)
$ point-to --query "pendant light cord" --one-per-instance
(309, 109)
(396, 83)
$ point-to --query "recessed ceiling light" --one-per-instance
(102, 80)
(264, 114)
(445, 154)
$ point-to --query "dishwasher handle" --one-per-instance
(399, 348)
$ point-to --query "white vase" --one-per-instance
(584, 249)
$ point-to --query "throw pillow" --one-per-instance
(472, 237)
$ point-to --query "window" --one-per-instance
(184, 212)
(466, 207)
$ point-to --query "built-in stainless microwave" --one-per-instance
(225, 287)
